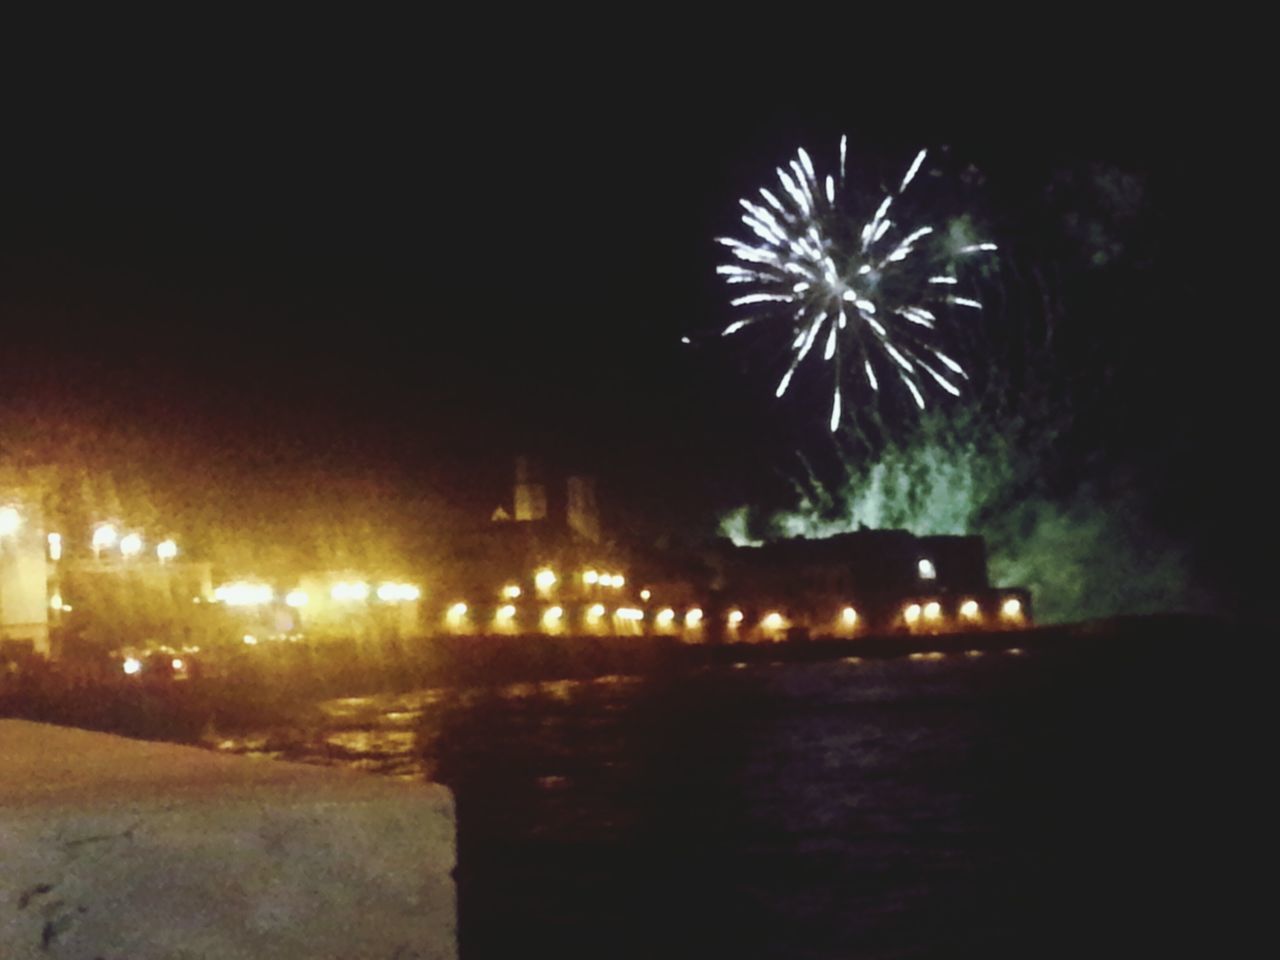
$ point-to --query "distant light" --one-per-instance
(506, 613)
(629, 613)
(551, 617)
(104, 536)
(927, 570)
(973, 654)
(250, 639)
(596, 611)
(132, 665)
(130, 545)
(55, 546)
(735, 617)
(911, 613)
(969, 609)
(665, 616)
(359, 590)
(10, 521)
(544, 579)
(387, 592)
(645, 594)
(510, 591)
(619, 580)
(458, 611)
(177, 663)
(241, 594)
(693, 617)
(932, 610)
(774, 621)
(1011, 609)
(407, 592)
(296, 598)
(849, 616)
(590, 577)
(166, 550)
(55, 602)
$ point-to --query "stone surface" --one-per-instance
(128, 850)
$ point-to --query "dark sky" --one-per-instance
(436, 252)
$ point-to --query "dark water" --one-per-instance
(1043, 804)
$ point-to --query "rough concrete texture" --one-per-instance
(116, 849)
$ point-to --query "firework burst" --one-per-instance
(869, 292)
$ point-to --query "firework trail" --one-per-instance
(866, 292)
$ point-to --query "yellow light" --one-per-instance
(1011, 609)
(296, 598)
(544, 579)
(629, 613)
(359, 590)
(166, 550)
(250, 639)
(10, 521)
(130, 545)
(506, 613)
(177, 663)
(665, 616)
(240, 594)
(408, 592)
(55, 546)
(849, 616)
(104, 536)
(693, 617)
(388, 592)
(132, 666)
(510, 591)
(55, 602)
(774, 621)
(619, 580)
(932, 610)
(551, 617)
(645, 594)
(736, 617)
(590, 577)
(911, 613)
(596, 611)
(458, 611)
(969, 609)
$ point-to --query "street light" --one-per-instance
(130, 545)
(166, 550)
(104, 536)
(10, 521)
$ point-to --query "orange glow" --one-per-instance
(932, 610)
(736, 617)
(693, 618)
(773, 621)
(849, 617)
(510, 592)
(911, 613)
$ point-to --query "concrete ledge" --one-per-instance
(127, 850)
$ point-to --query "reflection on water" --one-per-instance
(939, 806)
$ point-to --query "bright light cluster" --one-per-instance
(398, 592)
(866, 289)
(348, 591)
(10, 521)
(242, 594)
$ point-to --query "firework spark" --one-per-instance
(874, 286)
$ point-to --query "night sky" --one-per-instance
(429, 256)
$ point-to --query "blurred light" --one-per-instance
(590, 577)
(166, 550)
(596, 611)
(1014, 651)
(693, 617)
(774, 621)
(506, 614)
(932, 610)
(132, 665)
(927, 570)
(10, 521)
(735, 617)
(458, 611)
(55, 602)
(104, 536)
(359, 590)
(849, 616)
(1011, 609)
(969, 609)
(629, 613)
(296, 598)
(911, 613)
(551, 617)
(544, 579)
(250, 639)
(388, 592)
(177, 663)
(130, 545)
(645, 594)
(665, 616)
(55, 546)
(409, 592)
(619, 580)
(242, 594)
(973, 654)
(66, 608)
(510, 591)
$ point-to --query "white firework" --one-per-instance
(870, 290)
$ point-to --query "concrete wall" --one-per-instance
(115, 848)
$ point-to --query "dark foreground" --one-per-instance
(1095, 797)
